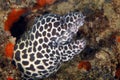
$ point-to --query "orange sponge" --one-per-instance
(118, 39)
(12, 17)
(117, 73)
(43, 3)
(9, 78)
(84, 65)
(9, 50)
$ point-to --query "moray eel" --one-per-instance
(41, 50)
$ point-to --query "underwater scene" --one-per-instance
(59, 40)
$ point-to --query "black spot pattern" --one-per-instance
(27, 43)
(25, 63)
(37, 62)
(34, 29)
(28, 73)
(34, 74)
(32, 58)
(21, 45)
(39, 55)
(34, 48)
(48, 50)
(59, 29)
(16, 46)
(37, 35)
(20, 67)
(29, 50)
(43, 22)
(30, 43)
(69, 24)
(54, 32)
(49, 25)
(45, 62)
(46, 55)
(57, 52)
(44, 45)
(53, 20)
(24, 56)
(70, 47)
(44, 71)
(46, 26)
(42, 51)
(40, 67)
(53, 52)
(26, 76)
(65, 48)
(38, 24)
(48, 35)
(14, 63)
(51, 67)
(24, 51)
(64, 58)
(71, 19)
(31, 67)
(44, 33)
(40, 40)
(48, 19)
(56, 24)
(45, 39)
(32, 37)
(50, 62)
(17, 56)
(41, 28)
(74, 46)
(67, 19)
(69, 52)
(39, 48)
(23, 37)
(49, 29)
(51, 55)
(35, 43)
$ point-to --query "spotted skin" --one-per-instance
(34, 55)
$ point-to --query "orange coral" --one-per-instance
(43, 3)
(9, 78)
(15, 14)
(118, 38)
(84, 65)
(117, 73)
(9, 50)
(12, 17)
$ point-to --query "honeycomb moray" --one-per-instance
(41, 50)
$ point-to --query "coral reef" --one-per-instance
(101, 29)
